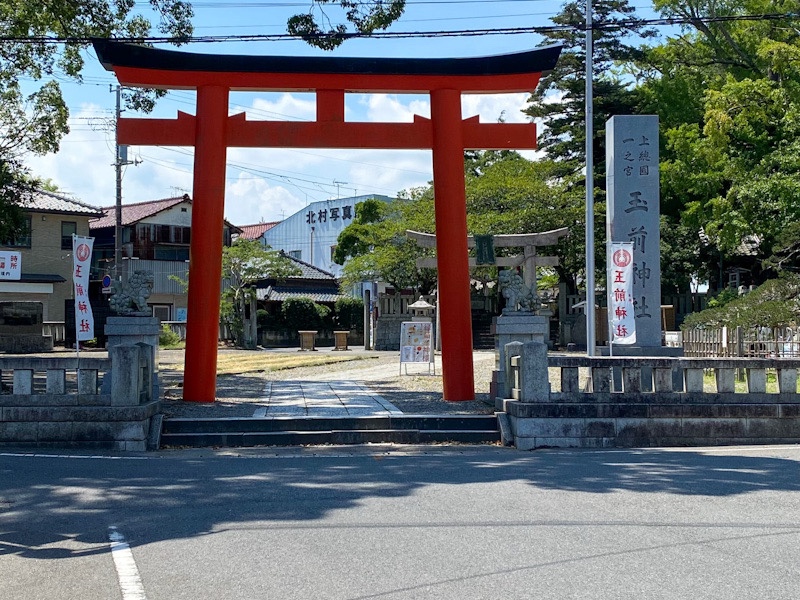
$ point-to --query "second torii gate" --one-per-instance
(212, 131)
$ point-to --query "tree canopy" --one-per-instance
(319, 27)
(41, 43)
(244, 263)
(506, 193)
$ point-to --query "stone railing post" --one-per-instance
(23, 381)
(56, 381)
(87, 381)
(147, 366)
(125, 375)
(787, 381)
(511, 349)
(533, 371)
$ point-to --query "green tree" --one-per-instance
(15, 188)
(36, 121)
(243, 264)
(559, 101)
(559, 98)
(727, 95)
(511, 194)
(376, 247)
(319, 28)
(506, 193)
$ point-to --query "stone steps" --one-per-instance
(291, 431)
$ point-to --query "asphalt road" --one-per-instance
(446, 522)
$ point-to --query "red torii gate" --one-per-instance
(212, 131)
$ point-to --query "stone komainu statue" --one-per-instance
(516, 293)
(130, 299)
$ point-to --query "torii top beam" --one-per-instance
(143, 66)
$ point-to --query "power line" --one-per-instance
(596, 26)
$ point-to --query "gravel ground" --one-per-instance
(240, 395)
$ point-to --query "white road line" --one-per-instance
(127, 573)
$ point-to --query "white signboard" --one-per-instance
(416, 342)
(10, 266)
(81, 259)
(621, 315)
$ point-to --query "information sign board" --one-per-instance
(416, 342)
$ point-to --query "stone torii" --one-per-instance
(527, 241)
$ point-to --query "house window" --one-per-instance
(298, 254)
(333, 251)
(171, 253)
(68, 229)
(21, 239)
(163, 234)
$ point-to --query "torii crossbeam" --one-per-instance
(211, 131)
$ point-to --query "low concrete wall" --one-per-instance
(58, 402)
(590, 414)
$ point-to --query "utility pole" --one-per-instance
(337, 184)
(121, 160)
(590, 316)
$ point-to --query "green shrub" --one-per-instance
(168, 338)
(723, 297)
(349, 313)
(325, 315)
(775, 303)
(300, 314)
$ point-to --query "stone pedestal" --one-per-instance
(340, 340)
(517, 326)
(307, 340)
(126, 331)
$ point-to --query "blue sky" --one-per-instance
(269, 184)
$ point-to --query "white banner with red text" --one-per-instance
(81, 260)
(621, 314)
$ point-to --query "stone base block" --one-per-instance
(629, 425)
(125, 428)
(26, 343)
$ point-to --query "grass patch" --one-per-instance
(236, 364)
(710, 383)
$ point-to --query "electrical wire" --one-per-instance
(595, 26)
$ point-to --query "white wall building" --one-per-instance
(310, 234)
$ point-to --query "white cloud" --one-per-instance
(491, 107)
(281, 107)
(249, 200)
(262, 184)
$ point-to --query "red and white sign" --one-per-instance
(81, 260)
(621, 315)
(10, 266)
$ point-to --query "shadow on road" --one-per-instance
(45, 502)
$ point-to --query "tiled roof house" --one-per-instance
(46, 251)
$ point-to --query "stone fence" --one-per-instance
(77, 402)
(588, 412)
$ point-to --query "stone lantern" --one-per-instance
(421, 311)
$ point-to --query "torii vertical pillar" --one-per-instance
(455, 315)
(205, 262)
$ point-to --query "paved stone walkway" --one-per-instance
(322, 399)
